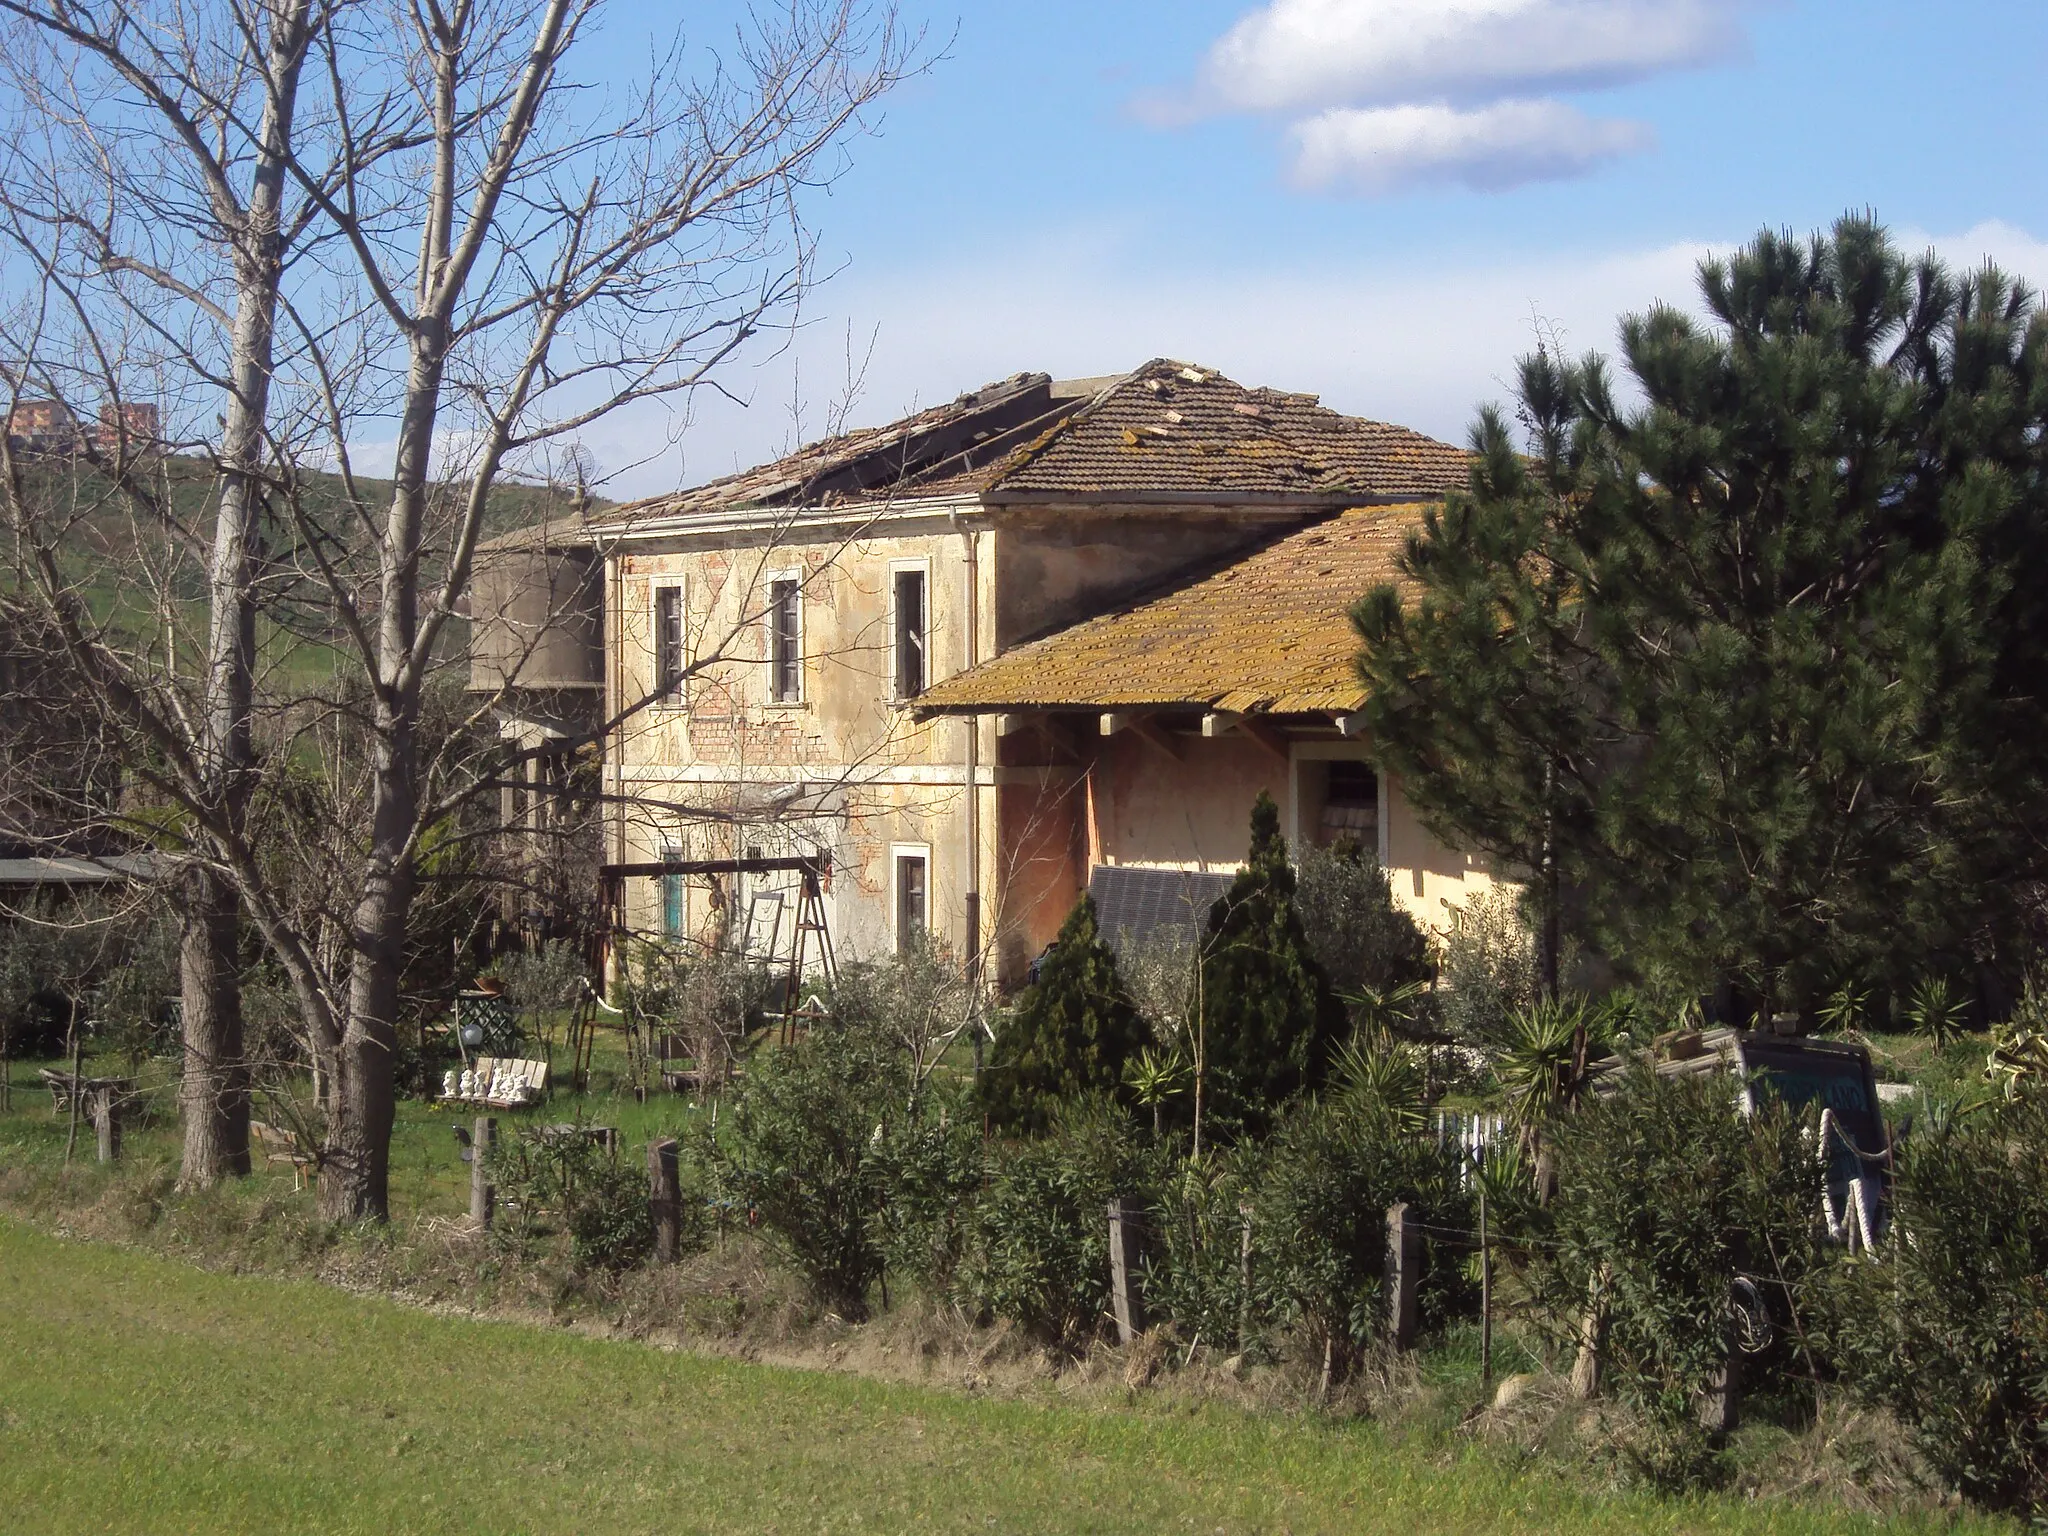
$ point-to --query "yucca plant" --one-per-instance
(1937, 1011)
(1156, 1076)
(1383, 1009)
(1541, 1067)
(1845, 1009)
(1381, 1075)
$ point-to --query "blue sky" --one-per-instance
(1376, 200)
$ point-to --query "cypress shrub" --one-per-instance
(1070, 1035)
(1271, 1019)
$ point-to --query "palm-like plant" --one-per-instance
(1383, 1009)
(1937, 1011)
(1380, 1075)
(1156, 1076)
(1542, 1067)
(1845, 1009)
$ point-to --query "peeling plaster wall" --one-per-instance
(871, 779)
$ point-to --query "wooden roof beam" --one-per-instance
(1144, 729)
(1218, 724)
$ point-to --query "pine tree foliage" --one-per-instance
(1271, 1021)
(1758, 660)
(1071, 1034)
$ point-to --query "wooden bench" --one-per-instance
(282, 1146)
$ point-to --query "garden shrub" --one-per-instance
(572, 1183)
(1363, 939)
(1489, 968)
(800, 1158)
(1272, 1022)
(930, 1168)
(1947, 1325)
(1320, 1235)
(1040, 1255)
(1666, 1194)
(919, 1000)
(1194, 1272)
(1070, 1034)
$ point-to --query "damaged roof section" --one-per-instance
(1168, 431)
(1268, 634)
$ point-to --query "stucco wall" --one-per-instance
(859, 777)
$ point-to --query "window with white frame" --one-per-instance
(910, 630)
(911, 878)
(785, 640)
(668, 644)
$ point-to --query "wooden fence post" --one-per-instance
(665, 1200)
(483, 1194)
(1126, 1226)
(106, 1120)
(1592, 1338)
(1721, 1407)
(1404, 1276)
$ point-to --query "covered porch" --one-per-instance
(1139, 740)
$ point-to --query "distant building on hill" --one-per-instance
(51, 427)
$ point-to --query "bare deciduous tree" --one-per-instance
(475, 254)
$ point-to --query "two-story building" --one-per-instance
(1052, 635)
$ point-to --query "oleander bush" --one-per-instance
(1667, 1194)
(1040, 1250)
(1946, 1325)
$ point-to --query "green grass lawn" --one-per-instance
(139, 1394)
(428, 1177)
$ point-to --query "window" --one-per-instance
(785, 641)
(1351, 805)
(668, 643)
(672, 900)
(910, 900)
(910, 637)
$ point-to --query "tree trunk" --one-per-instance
(355, 1164)
(214, 1092)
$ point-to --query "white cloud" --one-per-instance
(1490, 149)
(1388, 94)
(1295, 54)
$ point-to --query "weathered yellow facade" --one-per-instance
(977, 655)
(1009, 812)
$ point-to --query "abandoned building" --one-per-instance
(1051, 636)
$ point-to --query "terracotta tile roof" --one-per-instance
(1267, 634)
(1168, 430)
(1171, 427)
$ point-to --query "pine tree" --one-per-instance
(1270, 1021)
(1757, 664)
(1071, 1034)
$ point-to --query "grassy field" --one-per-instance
(138, 1394)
